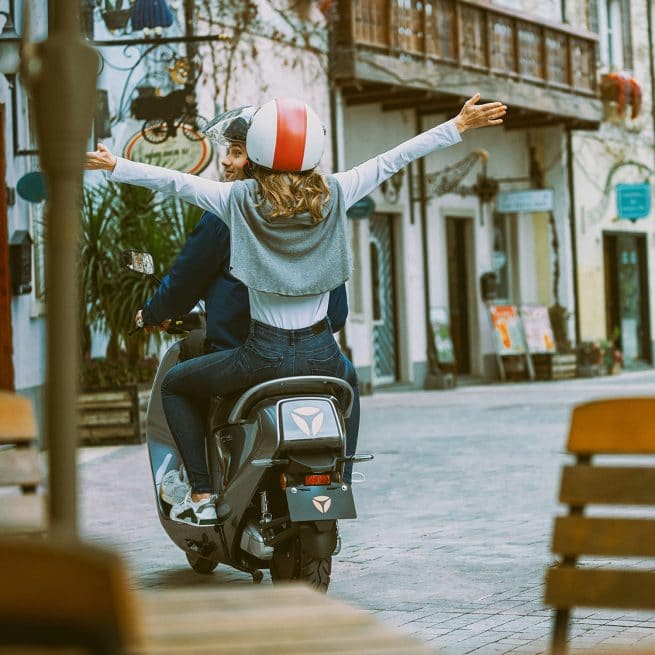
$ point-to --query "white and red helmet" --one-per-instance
(286, 135)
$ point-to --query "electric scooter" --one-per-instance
(275, 455)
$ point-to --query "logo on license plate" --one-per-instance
(322, 503)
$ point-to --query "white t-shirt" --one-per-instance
(288, 312)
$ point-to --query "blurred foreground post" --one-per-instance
(61, 74)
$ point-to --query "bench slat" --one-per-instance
(616, 425)
(610, 485)
(16, 418)
(279, 619)
(22, 513)
(20, 466)
(622, 537)
(568, 587)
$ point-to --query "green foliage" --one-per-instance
(117, 218)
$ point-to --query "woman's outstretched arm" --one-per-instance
(206, 194)
(361, 180)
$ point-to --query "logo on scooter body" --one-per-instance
(308, 419)
(322, 503)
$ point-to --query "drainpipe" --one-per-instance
(434, 377)
(572, 226)
(336, 163)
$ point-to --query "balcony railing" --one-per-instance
(475, 35)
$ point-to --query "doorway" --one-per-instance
(626, 296)
(458, 247)
(383, 294)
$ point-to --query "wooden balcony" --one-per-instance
(431, 54)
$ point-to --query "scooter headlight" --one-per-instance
(308, 418)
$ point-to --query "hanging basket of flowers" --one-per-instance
(624, 90)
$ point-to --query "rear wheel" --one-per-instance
(201, 564)
(291, 562)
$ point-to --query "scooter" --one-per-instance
(275, 455)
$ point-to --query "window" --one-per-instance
(613, 17)
(37, 230)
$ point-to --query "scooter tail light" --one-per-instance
(314, 480)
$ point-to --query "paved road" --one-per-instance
(452, 539)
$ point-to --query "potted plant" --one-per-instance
(115, 16)
(115, 388)
(561, 364)
(623, 91)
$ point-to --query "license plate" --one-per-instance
(321, 503)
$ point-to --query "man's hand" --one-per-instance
(100, 160)
(473, 115)
(149, 329)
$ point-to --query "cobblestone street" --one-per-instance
(452, 540)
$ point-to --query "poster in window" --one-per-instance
(440, 322)
(507, 330)
(538, 331)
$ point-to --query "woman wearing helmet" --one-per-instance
(289, 246)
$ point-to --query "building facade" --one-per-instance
(424, 249)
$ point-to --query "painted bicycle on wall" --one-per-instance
(163, 116)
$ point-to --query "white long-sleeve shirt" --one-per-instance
(287, 312)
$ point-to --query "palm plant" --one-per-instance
(116, 219)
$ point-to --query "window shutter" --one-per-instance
(592, 16)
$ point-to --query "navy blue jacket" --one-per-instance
(202, 271)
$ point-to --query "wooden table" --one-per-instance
(279, 619)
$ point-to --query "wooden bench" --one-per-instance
(55, 595)
(22, 506)
(59, 594)
(616, 427)
(272, 620)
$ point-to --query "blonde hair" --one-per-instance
(287, 194)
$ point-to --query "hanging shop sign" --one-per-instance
(177, 152)
(527, 200)
(507, 331)
(633, 200)
(538, 331)
(362, 208)
(31, 187)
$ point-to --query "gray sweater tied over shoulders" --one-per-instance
(288, 256)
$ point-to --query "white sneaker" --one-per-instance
(174, 486)
(201, 512)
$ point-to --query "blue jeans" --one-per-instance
(267, 354)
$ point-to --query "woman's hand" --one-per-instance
(100, 160)
(473, 115)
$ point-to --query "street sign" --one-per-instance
(507, 331)
(528, 200)
(362, 208)
(443, 342)
(633, 200)
(538, 331)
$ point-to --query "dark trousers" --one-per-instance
(267, 354)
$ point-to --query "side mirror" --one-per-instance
(140, 262)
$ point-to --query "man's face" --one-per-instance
(234, 161)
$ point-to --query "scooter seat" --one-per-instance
(299, 385)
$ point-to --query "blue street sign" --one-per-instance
(633, 200)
